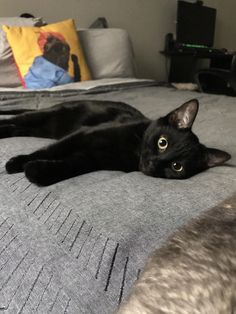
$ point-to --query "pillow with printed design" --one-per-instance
(49, 55)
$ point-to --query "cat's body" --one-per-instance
(98, 135)
(194, 272)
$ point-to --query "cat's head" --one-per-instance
(171, 150)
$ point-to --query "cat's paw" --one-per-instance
(38, 172)
(16, 164)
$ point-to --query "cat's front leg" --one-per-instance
(47, 172)
(16, 164)
(55, 151)
(60, 150)
(43, 172)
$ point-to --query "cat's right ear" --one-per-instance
(216, 157)
(184, 116)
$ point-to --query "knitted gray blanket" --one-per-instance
(79, 245)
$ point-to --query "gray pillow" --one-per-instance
(8, 71)
(108, 52)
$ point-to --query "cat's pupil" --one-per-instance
(162, 143)
(177, 166)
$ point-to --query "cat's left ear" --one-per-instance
(216, 157)
(184, 116)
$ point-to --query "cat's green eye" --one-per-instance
(176, 166)
(162, 143)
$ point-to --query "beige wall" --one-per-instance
(147, 22)
(225, 36)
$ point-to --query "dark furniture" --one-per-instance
(217, 80)
(184, 64)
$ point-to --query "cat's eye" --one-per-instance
(162, 143)
(176, 166)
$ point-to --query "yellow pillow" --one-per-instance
(49, 55)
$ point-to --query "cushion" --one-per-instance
(8, 75)
(48, 56)
(108, 52)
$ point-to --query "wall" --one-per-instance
(147, 22)
(225, 35)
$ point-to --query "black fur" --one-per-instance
(104, 135)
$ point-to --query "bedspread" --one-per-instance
(79, 245)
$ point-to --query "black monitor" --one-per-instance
(195, 24)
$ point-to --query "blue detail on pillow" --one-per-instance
(44, 74)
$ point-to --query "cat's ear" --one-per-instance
(216, 157)
(184, 116)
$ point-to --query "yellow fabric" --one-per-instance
(25, 46)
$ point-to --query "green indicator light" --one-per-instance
(194, 46)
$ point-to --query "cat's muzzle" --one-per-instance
(148, 167)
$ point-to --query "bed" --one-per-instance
(79, 245)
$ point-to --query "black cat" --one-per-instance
(105, 135)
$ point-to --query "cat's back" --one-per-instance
(111, 108)
(195, 272)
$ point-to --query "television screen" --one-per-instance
(195, 24)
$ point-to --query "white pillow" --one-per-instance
(108, 52)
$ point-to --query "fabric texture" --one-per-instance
(9, 76)
(109, 52)
(79, 245)
(45, 74)
(49, 55)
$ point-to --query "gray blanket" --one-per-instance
(79, 245)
